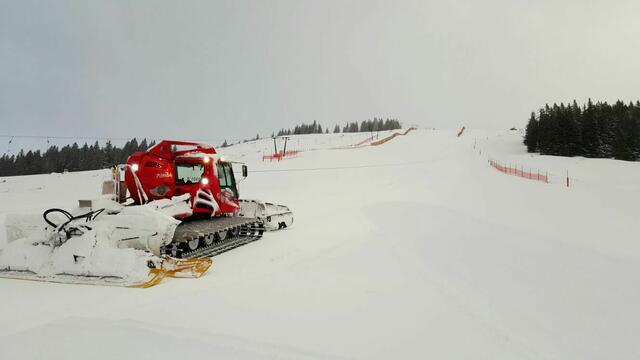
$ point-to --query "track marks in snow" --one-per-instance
(99, 338)
(542, 296)
(402, 249)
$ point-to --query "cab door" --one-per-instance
(228, 189)
(227, 179)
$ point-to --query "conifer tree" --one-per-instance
(594, 130)
(531, 134)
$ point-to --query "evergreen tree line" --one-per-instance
(69, 158)
(595, 130)
(365, 126)
(302, 129)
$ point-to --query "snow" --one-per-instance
(116, 243)
(412, 249)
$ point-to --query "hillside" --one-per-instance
(412, 249)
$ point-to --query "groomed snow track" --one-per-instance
(213, 236)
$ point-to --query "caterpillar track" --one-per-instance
(197, 238)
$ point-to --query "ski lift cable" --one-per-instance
(49, 137)
(341, 167)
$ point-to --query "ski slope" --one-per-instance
(412, 249)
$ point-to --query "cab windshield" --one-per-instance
(189, 173)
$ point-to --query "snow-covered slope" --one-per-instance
(412, 249)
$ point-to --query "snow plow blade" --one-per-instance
(173, 268)
(274, 216)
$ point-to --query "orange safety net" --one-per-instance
(281, 155)
(519, 172)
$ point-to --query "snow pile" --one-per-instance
(32, 195)
(114, 244)
(82, 256)
(18, 226)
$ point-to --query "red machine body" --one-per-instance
(173, 168)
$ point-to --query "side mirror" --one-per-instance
(245, 171)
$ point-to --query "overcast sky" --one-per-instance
(231, 69)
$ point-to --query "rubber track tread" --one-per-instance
(238, 230)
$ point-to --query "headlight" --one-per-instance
(204, 181)
(207, 159)
(134, 167)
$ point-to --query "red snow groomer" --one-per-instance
(219, 220)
